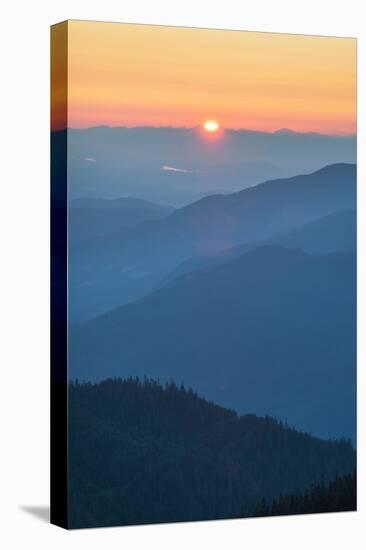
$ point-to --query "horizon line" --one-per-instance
(280, 131)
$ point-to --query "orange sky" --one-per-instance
(137, 75)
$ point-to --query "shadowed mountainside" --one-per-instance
(333, 233)
(271, 332)
(120, 267)
(162, 454)
(340, 495)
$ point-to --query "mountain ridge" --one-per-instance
(131, 202)
(270, 306)
(156, 441)
(331, 233)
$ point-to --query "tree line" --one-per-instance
(145, 452)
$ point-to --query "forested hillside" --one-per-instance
(339, 495)
(141, 452)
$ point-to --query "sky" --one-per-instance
(142, 75)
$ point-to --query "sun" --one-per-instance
(211, 126)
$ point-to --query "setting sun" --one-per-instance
(211, 126)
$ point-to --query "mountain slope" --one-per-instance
(271, 332)
(91, 218)
(259, 212)
(168, 455)
(333, 233)
(123, 266)
(340, 495)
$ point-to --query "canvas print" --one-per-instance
(203, 274)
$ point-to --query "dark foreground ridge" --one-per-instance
(339, 495)
(141, 453)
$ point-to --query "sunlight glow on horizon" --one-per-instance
(211, 126)
(148, 75)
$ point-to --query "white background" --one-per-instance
(24, 299)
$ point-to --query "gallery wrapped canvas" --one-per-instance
(203, 270)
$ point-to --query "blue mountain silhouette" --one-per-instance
(270, 332)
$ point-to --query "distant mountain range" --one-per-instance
(92, 218)
(270, 332)
(114, 162)
(121, 266)
(332, 233)
(250, 298)
(140, 452)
